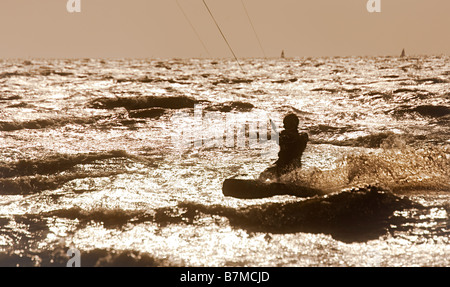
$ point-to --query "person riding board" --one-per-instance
(292, 145)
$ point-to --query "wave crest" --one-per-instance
(394, 165)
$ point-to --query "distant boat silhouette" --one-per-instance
(403, 54)
(282, 54)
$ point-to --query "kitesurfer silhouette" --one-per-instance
(292, 145)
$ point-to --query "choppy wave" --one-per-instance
(91, 258)
(26, 185)
(13, 74)
(432, 81)
(378, 140)
(231, 106)
(45, 123)
(434, 111)
(144, 102)
(337, 90)
(147, 113)
(322, 128)
(394, 165)
(354, 215)
(52, 164)
(41, 71)
(228, 81)
(111, 218)
(36, 175)
(10, 98)
(119, 218)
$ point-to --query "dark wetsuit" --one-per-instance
(292, 146)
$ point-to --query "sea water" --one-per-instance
(89, 161)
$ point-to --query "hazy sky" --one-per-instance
(157, 28)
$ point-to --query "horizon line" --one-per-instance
(217, 58)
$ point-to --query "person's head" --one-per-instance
(290, 121)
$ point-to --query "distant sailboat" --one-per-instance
(282, 54)
(403, 54)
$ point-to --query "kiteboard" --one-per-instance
(252, 189)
